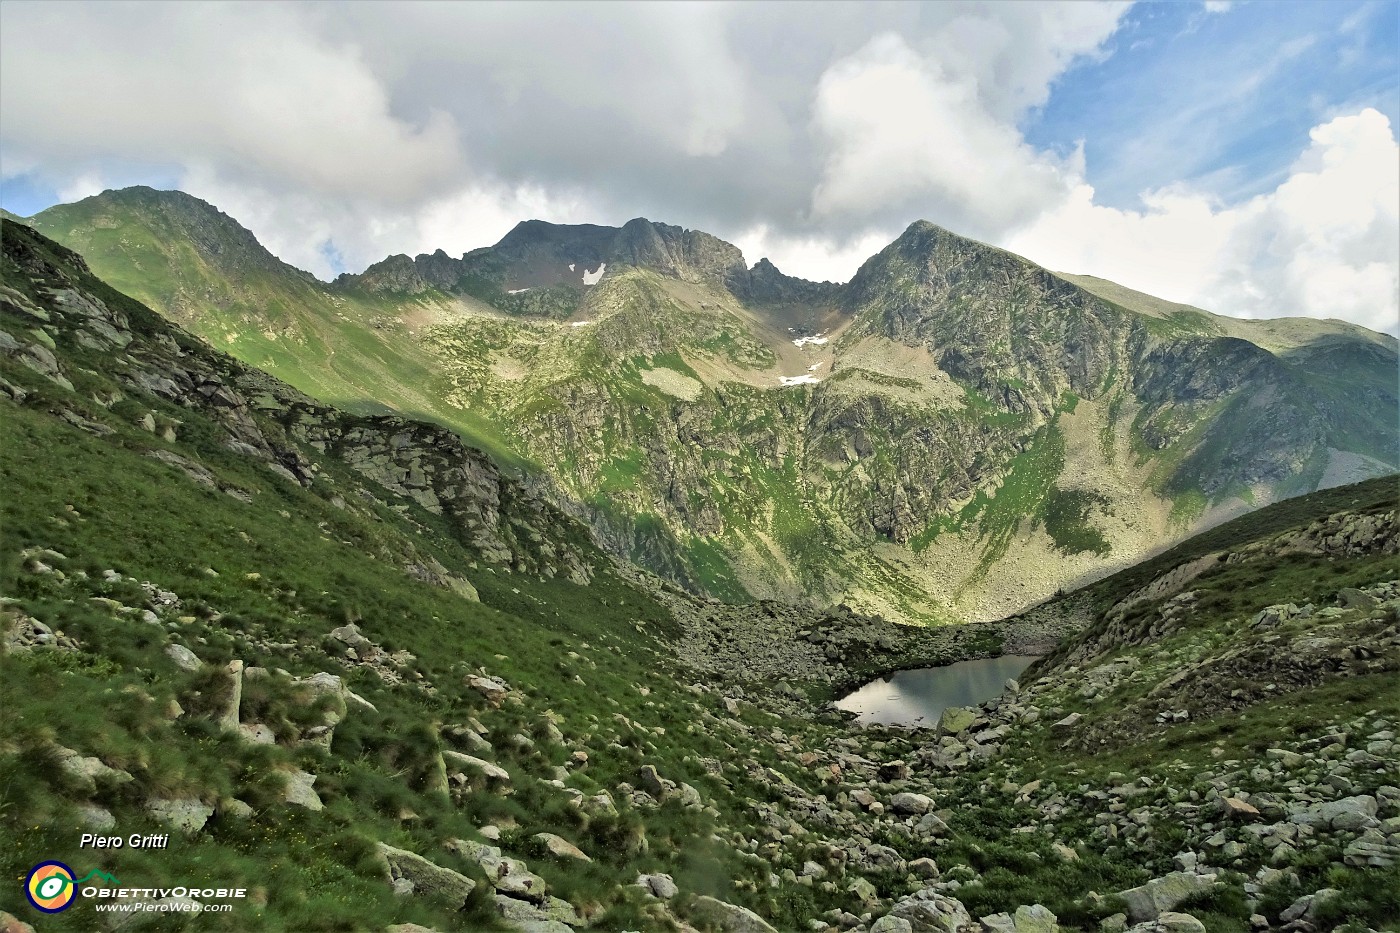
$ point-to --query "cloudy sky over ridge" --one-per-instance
(1237, 156)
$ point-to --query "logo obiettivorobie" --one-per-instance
(51, 886)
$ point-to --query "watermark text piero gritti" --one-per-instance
(134, 841)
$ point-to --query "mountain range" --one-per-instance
(370, 678)
(954, 434)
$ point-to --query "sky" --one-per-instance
(1237, 156)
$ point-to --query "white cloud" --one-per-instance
(1323, 243)
(815, 258)
(295, 227)
(811, 135)
(247, 87)
(1013, 52)
(82, 186)
(900, 128)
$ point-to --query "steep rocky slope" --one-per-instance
(954, 434)
(358, 672)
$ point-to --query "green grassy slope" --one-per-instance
(202, 269)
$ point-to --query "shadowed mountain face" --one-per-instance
(953, 434)
(570, 257)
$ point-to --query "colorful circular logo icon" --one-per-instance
(50, 887)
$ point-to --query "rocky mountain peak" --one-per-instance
(396, 273)
(690, 255)
(530, 235)
(767, 284)
(219, 238)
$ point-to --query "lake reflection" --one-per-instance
(919, 697)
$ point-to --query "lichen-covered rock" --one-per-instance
(956, 719)
(300, 790)
(525, 915)
(1170, 922)
(186, 814)
(1347, 813)
(908, 803)
(659, 885)
(456, 762)
(184, 658)
(424, 877)
(560, 847)
(1148, 900)
(728, 918)
(928, 911)
(89, 772)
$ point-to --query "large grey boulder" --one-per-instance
(411, 873)
(956, 719)
(456, 762)
(662, 886)
(1305, 908)
(1170, 922)
(300, 790)
(184, 658)
(98, 819)
(559, 847)
(88, 772)
(186, 814)
(729, 918)
(928, 911)
(1347, 813)
(1027, 919)
(537, 917)
(891, 924)
(513, 878)
(509, 876)
(492, 688)
(907, 803)
(1147, 901)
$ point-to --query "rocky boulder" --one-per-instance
(410, 873)
(659, 885)
(300, 791)
(1170, 922)
(728, 918)
(1347, 813)
(493, 689)
(456, 762)
(547, 917)
(560, 847)
(1032, 919)
(185, 814)
(916, 804)
(957, 719)
(88, 772)
(929, 911)
(1148, 901)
